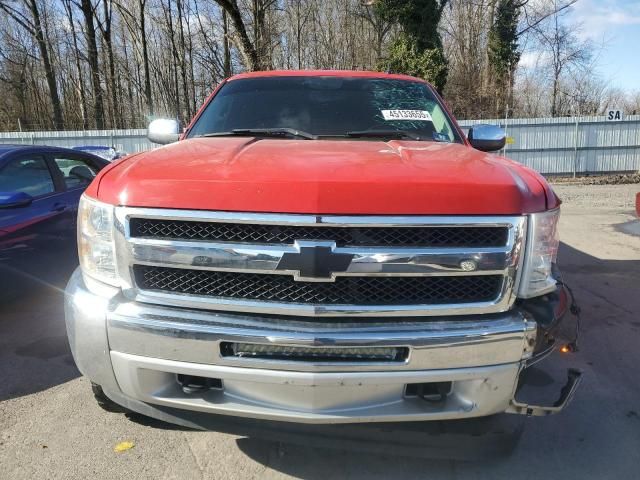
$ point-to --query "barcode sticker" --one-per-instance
(420, 115)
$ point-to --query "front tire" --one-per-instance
(105, 402)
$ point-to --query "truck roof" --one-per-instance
(326, 73)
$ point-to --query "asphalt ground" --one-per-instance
(50, 426)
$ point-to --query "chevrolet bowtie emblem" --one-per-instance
(315, 262)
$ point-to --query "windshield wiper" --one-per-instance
(264, 132)
(383, 134)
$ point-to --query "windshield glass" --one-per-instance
(327, 107)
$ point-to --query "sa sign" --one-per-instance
(614, 115)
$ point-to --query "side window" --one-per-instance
(77, 173)
(27, 174)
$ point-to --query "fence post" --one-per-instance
(575, 150)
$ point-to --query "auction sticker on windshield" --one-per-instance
(421, 115)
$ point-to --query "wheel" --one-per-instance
(105, 402)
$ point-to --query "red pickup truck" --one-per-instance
(317, 247)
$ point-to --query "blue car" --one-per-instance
(40, 188)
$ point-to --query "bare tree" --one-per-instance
(566, 54)
(87, 9)
(68, 7)
(246, 46)
(105, 25)
(136, 21)
(31, 21)
(116, 63)
(380, 26)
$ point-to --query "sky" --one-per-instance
(617, 24)
(614, 28)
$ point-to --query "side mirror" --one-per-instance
(487, 138)
(15, 199)
(163, 131)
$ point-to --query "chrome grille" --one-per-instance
(428, 236)
(319, 266)
(345, 290)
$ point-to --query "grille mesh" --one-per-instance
(345, 290)
(286, 234)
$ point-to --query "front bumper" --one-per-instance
(135, 352)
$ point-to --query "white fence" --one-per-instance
(552, 146)
(574, 144)
(130, 141)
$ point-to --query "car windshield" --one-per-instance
(326, 107)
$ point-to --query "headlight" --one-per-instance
(540, 254)
(95, 240)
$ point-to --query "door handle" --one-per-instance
(59, 207)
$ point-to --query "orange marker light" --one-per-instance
(565, 349)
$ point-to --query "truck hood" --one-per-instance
(323, 177)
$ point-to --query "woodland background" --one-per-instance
(87, 64)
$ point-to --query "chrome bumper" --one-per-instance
(134, 351)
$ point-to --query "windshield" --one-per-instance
(327, 107)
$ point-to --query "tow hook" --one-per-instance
(574, 376)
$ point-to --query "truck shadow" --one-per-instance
(320, 463)
(417, 443)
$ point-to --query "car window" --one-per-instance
(27, 174)
(77, 173)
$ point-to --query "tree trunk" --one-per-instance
(145, 58)
(49, 71)
(183, 62)
(106, 35)
(80, 86)
(175, 59)
(92, 56)
(299, 35)
(554, 96)
(227, 48)
(247, 48)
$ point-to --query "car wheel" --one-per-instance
(105, 402)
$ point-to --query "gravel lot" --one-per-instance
(50, 426)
